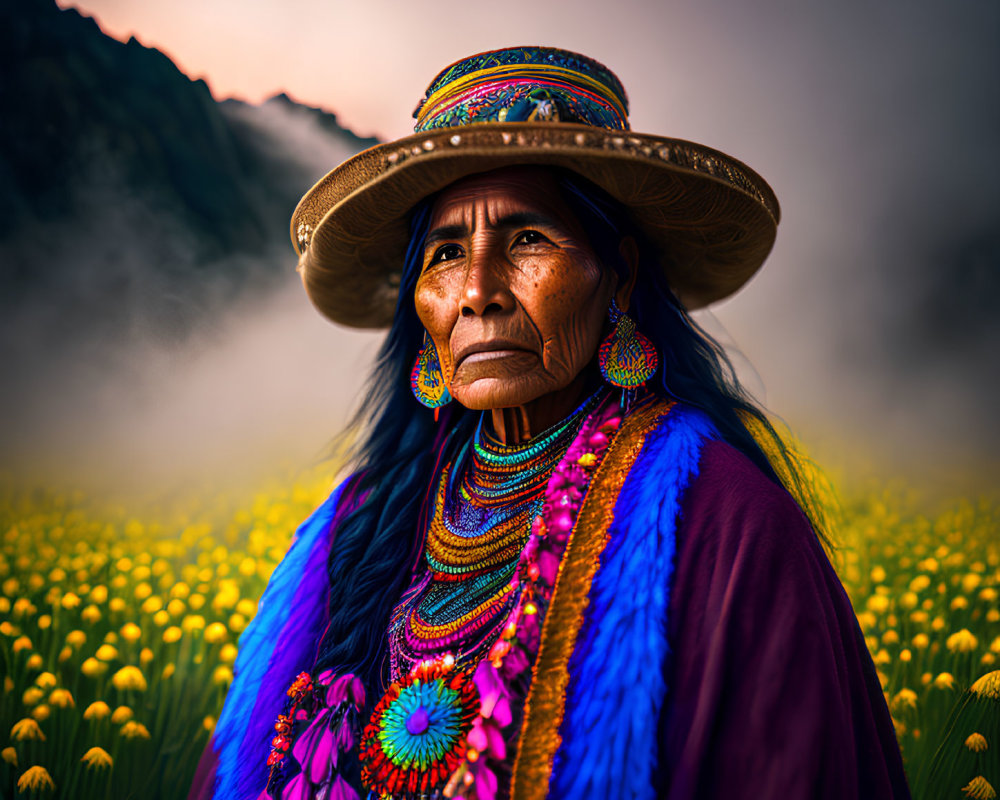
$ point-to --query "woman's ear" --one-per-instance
(629, 251)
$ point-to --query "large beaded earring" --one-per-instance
(426, 379)
(626, 358)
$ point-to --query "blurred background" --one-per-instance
(169, 397)
(152, 327)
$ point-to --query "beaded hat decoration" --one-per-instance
(711, 219)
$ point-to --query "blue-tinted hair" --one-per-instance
(400, 448)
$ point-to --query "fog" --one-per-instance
(871, 330)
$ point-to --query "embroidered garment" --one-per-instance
(697, 644)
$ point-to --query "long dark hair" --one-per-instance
(399, 444)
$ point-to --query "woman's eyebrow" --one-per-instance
(519, 219)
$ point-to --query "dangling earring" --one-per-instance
(627, 359)
(426, 379)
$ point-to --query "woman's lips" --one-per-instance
(489, 355)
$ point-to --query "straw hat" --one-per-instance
(712, 219)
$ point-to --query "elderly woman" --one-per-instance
(563, 566)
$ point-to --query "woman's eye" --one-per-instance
(529, 237)
(446, 252)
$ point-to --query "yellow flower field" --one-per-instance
(118, 632)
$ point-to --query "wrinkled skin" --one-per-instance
(514, 298)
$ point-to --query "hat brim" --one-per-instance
(712, 219)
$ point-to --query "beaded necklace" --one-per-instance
(483, 510)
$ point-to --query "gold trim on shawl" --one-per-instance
(545, 705)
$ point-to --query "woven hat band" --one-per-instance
(523, 92)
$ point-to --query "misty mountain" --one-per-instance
(129, 197)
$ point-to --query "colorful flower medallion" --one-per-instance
(417, 736)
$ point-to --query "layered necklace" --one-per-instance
(483, 510)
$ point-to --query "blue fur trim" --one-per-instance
(617, 684)
(263, 670)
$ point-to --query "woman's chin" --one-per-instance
(488, 393)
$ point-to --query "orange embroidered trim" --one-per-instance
(545, 705)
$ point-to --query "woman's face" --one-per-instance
(511, 292)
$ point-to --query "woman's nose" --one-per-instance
(486, 289)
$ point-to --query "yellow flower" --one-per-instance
(215, 633)
(988, 685)
(97, 758)
(908, 600)
(61, 698)
(116, 604)
(920, 617)
(919, 583)
(134, 730)
(7, 629)
(976, 742)
(877, 574)
(978, 789)
(32, 696)
(228, 653)
(905, 655)
(107, 652)
(92, 668)
(161, 618)
(237, 622)
(958, 603)
(45, 622)
(129, 678)
(111, 637)
(208, 724)
(97, 710)
(890, 637)
(167, 671)
(222, 675)
(905, 698)
(172, 634)
(151, 605)
(938, 623)
(877, 603)
(945, 681)
(41, 713)
(921, 641)
(99, 594)
(145, 656)
(246, 607)
(970, 582)
(248, 567)
(993, 615)
(180, 590)
(131, 632)
(46, 680)
(23, 607)
(962, 642)
(22, 643)
(26, 730)
(34, 661)
(76, 638)
(995, 645)
(142, 591)
(989, 594)
(193, 622)
(35, 779)
(70, 600)
(196, 601)
(9, 754)
(90, 614)
(121, 714)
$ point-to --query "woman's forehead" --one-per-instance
(490, 196)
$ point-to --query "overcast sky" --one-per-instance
(874, 122)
